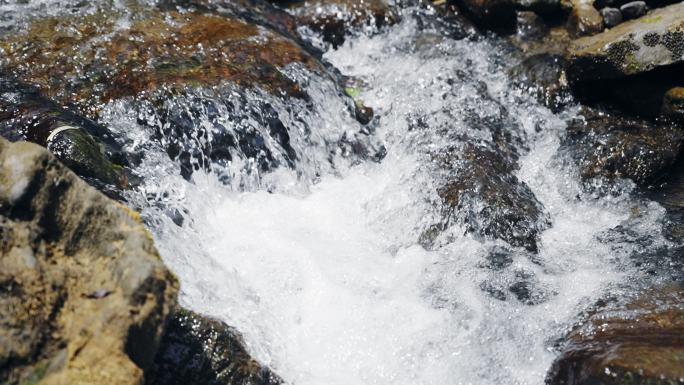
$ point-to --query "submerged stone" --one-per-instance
(83, 290)
(89, 60)
(639, 342)
(200, 350)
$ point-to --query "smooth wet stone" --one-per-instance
(84, 291)
(584, 18)
(638, 342)
(611, 17)
(200, 350)
(85, 147)
(336, 19)
(613, 146)
(673, 103)
(633, 9)
(633, 47)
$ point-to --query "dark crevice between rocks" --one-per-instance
(641, 94)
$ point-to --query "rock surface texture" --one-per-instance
(83, 291)
(640, 342)
(636, 46)
(202, 350)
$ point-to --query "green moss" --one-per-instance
(651, 20)
(353, 92)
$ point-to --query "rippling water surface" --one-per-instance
(320, 265)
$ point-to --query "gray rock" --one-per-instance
(633, 9)
(635, 46)
(611, 17)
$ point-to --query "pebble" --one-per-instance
(611, 17)
(633, 9)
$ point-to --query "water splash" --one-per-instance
(317, 261)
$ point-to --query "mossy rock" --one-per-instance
(640, 45)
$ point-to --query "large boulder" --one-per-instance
(636, 46)
(83, 291)
(638, 342)
(68, 58)
(204, 351)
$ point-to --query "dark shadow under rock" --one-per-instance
(200, 350)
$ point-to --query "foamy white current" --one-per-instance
(320, 267)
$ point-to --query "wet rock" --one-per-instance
(489, 199)
(584, 18)
(611, 17)
(541, 7)
(544, 76)
(83, 291)
(636, 46)
(633, 9)
(335, 19)
(530, 26)
(85, 147)
(614, 146)
(673, 103)
(496, 15)
(203, 351)
(71, 62)
(639, 342)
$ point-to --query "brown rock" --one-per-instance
(640, 342)
(584, 18)
(613, 146)
(83, 291)
(68, 58)
(673, 103)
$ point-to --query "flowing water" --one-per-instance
(319, 264)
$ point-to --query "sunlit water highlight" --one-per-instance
(320, 267)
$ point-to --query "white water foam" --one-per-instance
(327, 281)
